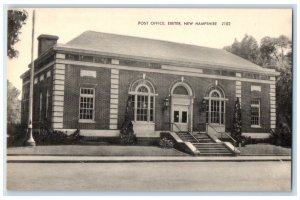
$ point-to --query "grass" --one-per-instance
(99, 150)
(264, 149)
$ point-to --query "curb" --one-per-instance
(120, 159)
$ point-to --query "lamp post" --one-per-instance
(30, 141)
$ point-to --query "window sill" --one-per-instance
(87, 121)
(255, 126)
(142, 122)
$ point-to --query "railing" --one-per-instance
(228, 136)
(182, 131)
(234, 142)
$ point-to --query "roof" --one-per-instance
(164, 50)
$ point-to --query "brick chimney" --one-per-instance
(46, 42)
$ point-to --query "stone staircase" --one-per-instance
(205, 145)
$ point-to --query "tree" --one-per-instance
(127, 135)
(13, 104)
(236, 131)
(273, 53)
(15, 20)
(247, 48)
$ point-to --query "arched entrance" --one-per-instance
(181, 107)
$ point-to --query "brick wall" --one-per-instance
(25, 103)
(263, 95)
(163, 84)
(41, 88)
(73, 82)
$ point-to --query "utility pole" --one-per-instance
(30, 141)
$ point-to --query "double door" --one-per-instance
(180, 118)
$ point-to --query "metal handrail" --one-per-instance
(182, 131)
(234, 141)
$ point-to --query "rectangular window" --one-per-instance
(255, 112)
(151, 108)
(215, 118)
(222, 112)
(41, 105)
(47, 102)
(142, 108)
(184, 117)
(176, 116)
(87, 101)
(48, 74)
(207, 111)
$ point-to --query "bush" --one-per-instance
(166, 143)
(54, 137)
(17, 134)
(282, 135)
(127, 135)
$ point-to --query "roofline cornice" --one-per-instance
(216, 66)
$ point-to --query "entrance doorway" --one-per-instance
(181, 107)
(180, 117)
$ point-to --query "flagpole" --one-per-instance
(30, 141)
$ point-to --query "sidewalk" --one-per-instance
(119, 159)
(118, 153)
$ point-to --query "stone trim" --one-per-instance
(272, 105)
(114, 99)
(238, 90)
(164, 71)
(89, 73)
(58, 95)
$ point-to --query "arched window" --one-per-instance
(215, 106)
(181, 90)
(144, 101)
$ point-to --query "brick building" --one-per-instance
(85, 83)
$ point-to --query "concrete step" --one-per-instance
(215, 154)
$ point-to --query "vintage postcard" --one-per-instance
(149, 99)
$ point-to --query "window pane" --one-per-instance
(255, 112)
(86, 103)
(184, 117)
(142, 108)
(180, 90)
(215, 94)
(207, 110)
(143, 89)
(176, 116)
(215, 115)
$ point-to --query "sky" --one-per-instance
(146, 22)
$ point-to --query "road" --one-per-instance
(149, 177)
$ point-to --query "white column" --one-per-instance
(58, 94)
(114, 99)
(238, 89)
(272, 104)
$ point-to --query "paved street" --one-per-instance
(153, 176)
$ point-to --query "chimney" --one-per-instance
(46, 42)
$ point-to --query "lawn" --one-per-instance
(264, 149)
(100, 150)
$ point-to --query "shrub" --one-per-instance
(166, 143)
(54, 137)
(282, 135)
(17, 134)
(236, 131)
